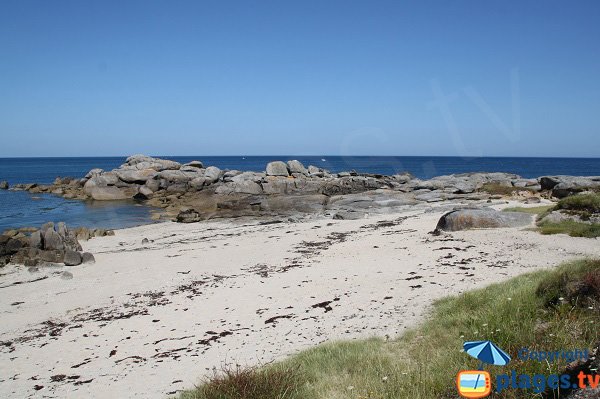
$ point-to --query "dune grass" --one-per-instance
(588, 203)
(423, 363)
(570, 227)
(535, 210)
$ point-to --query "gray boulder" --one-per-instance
(564, 186)
(465, 219)
(144, 192)
(241, 187)
(87, 258)
(296, 168)
(4, 185)
(153, 184)
(53, 240)
(315, 171)
(188, 216)
(277, 168)
(197, 183)
(212, 174)
(134, 175)
(145, 162)
(72, 258)
(36, 240)
(195, 164)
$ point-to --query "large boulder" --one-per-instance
(465, 219)
(212, 174)
(296, 168)
(277, 168)
(146, 162)
(53, 240)
(240, 187)
(36, 240)
(131, 175)
(72, 258)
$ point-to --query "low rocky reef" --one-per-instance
(192, 192)
(50, 244)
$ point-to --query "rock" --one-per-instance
(198, 183)
(72, 258)
(242, 187)
(144, 193)
(212, 174)
(36, 240)
(93, 173)
(296, 167)
(12, 246)
(87, 258)
(153, 184)
(66, 275)
(349, 215)
(188, 215)
(145, 162)
(53, 240)
(195, 164)
(563, 186)
(135, 175)
(109, 193)
(277, 168)
(4, 185)
(52, 256)
(464, 219)
(46, 226)
(145, 241)
(315, 171)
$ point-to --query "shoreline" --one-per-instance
(196, 295)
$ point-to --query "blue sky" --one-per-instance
(483, 78)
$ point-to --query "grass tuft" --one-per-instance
(588, 203)
(273, 382)
(570, 227)
(536, 210)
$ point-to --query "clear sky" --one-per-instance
(491, 78)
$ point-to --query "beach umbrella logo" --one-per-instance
(476, 384)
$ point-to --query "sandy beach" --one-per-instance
(152, 317)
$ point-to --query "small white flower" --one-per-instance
(462, 336)
(561, 299)
(485, 325)
(509, 298)
(497, 330)
(384, 379)
(351, 387)
(591, 308)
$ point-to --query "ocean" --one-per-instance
(18, 209)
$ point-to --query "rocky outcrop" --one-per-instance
(49, 244)
(482, 218)
(564, 186)
(4, 185)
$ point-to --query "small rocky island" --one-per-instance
(192, 192)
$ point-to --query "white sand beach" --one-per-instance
(150, 319)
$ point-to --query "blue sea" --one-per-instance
(18, 209)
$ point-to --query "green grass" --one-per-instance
(423, 363)
(588, 203)
(536, 210)
(570, 227)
